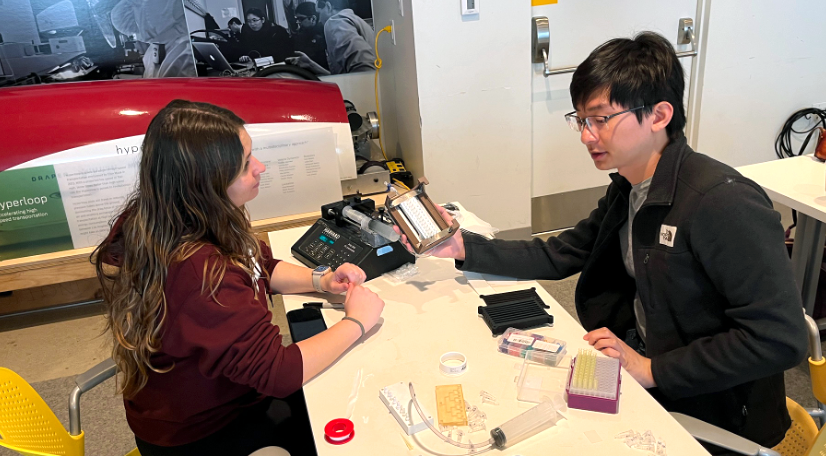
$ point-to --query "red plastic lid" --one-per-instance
(339, 431)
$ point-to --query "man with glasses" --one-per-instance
(684, 274)
(349, 40)
(309, 41)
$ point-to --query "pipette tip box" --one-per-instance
(594, 383)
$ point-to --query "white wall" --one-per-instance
(765, 60)
(356, 87)
(561, 163)
(474, 90)
(216, 7)
(399, 84)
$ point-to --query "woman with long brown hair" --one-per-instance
(186, 285)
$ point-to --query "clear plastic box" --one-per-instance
(535, 347)
(539, 382)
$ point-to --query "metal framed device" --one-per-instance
(417, 217)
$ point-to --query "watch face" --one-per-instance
(322, 269)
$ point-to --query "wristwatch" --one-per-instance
(317, 274)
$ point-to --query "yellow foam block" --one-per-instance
(450, 403)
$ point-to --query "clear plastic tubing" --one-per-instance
(475, 448)
(384, 230)
(529, 423)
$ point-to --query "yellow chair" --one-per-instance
(802, 438)
(27, 424)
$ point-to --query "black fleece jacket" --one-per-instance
(723, 315)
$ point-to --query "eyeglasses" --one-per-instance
(301, 18)
(594, 123)
(255, 20)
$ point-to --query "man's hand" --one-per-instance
(637, 365)
(338, 281)
(452, 248)
(244, 59)
(302, 60)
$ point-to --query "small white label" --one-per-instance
(546, 346)
(520, 339)
(667, 235)
(264, 61)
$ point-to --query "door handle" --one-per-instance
(541, 41)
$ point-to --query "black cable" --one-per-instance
(783, 143)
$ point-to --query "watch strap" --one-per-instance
(317, 275)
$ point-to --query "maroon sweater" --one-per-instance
(228, 356)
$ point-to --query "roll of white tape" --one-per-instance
(453, 363)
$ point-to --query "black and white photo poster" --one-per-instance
(276, 38)
(44, 41)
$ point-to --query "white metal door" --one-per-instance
(565, 183)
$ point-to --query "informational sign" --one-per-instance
(93, 193)
(32, 219)
(302, 173)
(66, 200)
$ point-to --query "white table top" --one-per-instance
(798, 182)
(436, 312)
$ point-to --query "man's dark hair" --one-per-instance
(335, 4)
(639, 72)
(234, 20)
(307, 9)
(256, 12)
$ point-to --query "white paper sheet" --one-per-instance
(92, 192)
(302, 173)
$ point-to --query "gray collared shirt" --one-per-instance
(637, 196)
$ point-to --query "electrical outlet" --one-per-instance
(821, 105)
(393, 31)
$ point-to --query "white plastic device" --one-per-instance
(470, 7)
(397, 399)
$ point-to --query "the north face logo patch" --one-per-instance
(667, 235)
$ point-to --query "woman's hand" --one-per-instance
(363, 305)
(339, 281)
(637, 365)
(321, 350)
(452, 248)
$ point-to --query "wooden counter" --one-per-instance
(70, 265)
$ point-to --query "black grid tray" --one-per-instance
(522, 309)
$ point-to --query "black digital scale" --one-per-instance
(334, 240)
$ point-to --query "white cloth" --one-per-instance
(161, 22)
